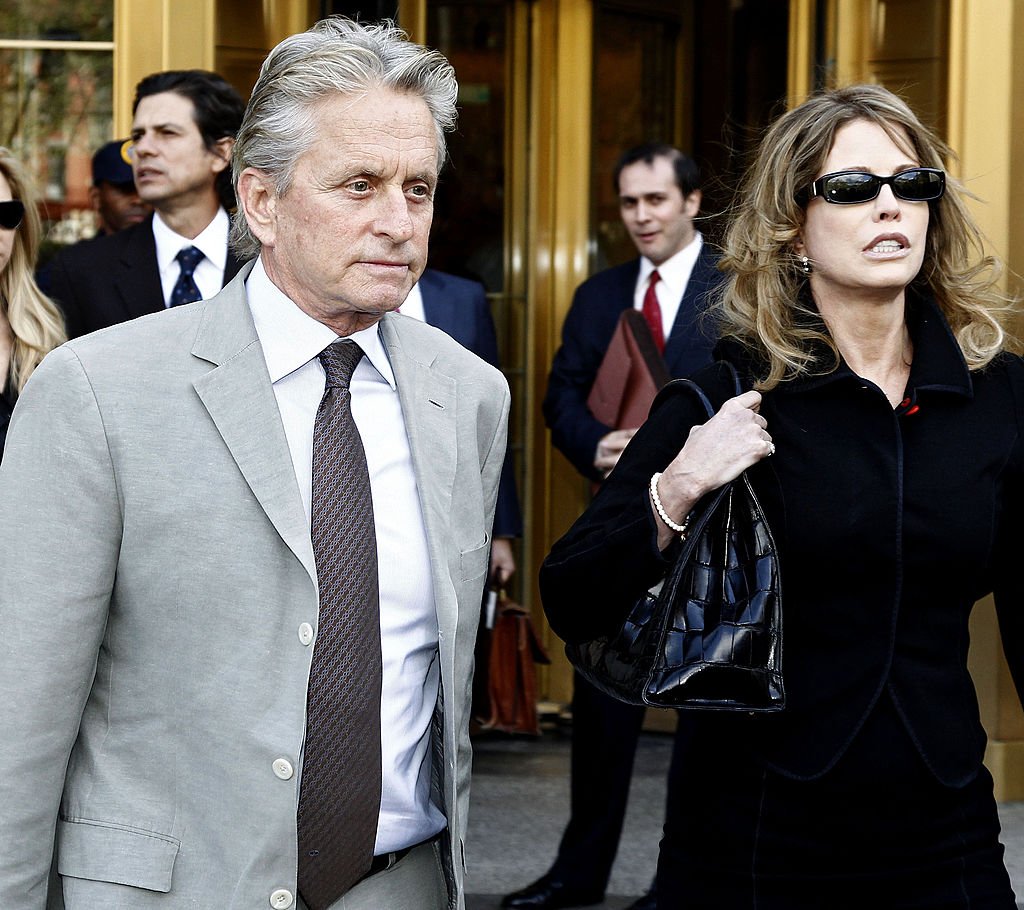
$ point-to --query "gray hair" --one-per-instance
(335, 57)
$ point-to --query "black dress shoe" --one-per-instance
(548, 893)
(649, 901)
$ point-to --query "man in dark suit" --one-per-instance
(458, 306)
(659, 196)
(182, 134)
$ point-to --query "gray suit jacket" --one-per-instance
(157, 565)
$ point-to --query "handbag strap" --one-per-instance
(734, 377)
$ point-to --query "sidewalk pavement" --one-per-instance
(520, 804)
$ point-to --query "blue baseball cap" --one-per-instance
(112, 164)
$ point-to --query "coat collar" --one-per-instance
(938, 366)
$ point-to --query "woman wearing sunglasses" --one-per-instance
(30, 323)
(883, 435)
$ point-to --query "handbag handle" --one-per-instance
(737, 384)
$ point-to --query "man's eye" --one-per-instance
(420, 190)
(359, 186)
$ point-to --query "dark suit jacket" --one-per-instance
(459, 308)
(588, 331)
(112, 279)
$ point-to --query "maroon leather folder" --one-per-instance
(631, 374)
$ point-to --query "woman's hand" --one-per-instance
(714, 453)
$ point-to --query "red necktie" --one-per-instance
(652, 312)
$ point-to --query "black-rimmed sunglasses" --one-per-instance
(11, 213)
(918, 184)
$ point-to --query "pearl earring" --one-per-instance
(805, 265)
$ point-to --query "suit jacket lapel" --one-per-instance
(137, 280)
(429, 400)
(240, 399)
(688, 326)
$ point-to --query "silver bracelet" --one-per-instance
(662, 514)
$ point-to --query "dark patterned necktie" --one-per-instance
(339, 798)
(652, 312)
(185, 288)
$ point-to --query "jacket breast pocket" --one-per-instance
(106, 852)
(474, 561)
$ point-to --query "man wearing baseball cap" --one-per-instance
(114, 197)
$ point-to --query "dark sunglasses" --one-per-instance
(919, 184)
(11, 213)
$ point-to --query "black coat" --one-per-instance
(112, 279)
(890, 525)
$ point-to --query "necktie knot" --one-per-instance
(654, 279)
(188, 258)
(185, 289)
(339, 362)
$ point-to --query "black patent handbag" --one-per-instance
(711, 636)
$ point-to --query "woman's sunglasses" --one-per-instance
(11, 213)
(918, 184)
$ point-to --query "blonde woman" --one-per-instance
(884, 434)
(31, 325)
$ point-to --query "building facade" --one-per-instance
(551, 92)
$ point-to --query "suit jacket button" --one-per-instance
(283, 768)
(281, 899)
(306, 633)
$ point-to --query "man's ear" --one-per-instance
(222, 153)
(257, 196)
(691, 204)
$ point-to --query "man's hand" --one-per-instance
(503, 563)
(610, 448)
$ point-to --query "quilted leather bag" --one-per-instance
(711, 636)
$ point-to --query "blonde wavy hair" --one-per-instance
(35, 320)
(764, 305)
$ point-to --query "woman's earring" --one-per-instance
(805, 265)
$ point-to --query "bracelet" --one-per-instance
(662, 514)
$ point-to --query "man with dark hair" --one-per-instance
(659, 197)
(183, 131)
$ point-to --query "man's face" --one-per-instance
(171, 164)
(348, 239)
(656, 214)
(118, 205)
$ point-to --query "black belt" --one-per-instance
(386, 861)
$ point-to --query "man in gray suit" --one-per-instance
(190, 718)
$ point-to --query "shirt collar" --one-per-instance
(212, 240)
(290, 338)
(674, 271)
